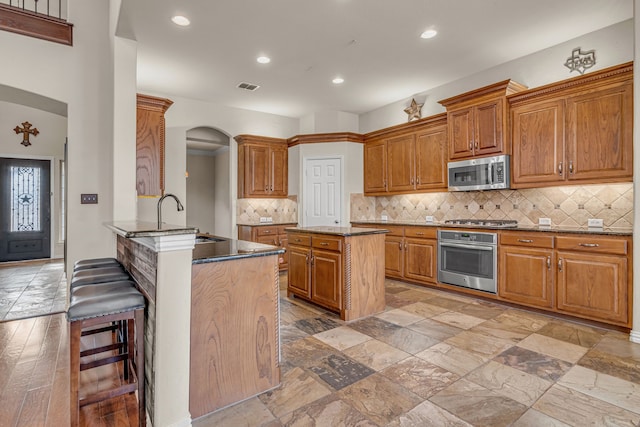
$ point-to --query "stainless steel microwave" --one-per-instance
(485, 173)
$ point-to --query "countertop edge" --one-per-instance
(345, 233)
(133, 229)
(222, 258)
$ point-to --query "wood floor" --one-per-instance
(34, 377)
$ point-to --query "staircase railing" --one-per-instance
(44, 19)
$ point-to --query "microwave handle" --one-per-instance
(491, 173)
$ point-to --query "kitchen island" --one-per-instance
(338, 268)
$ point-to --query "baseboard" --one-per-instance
(634, 336)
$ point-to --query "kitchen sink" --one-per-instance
(208, 239)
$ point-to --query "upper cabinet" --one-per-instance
(575, 131)
(150, 144)
(477, 121)
(262, 167)
(407, 158)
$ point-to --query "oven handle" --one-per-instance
(480, 248)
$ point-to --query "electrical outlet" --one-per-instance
(269, 219)
(88, 199)
(429, 218)
(544, 221)
(384, 217)
(263, 219)
(595, 222)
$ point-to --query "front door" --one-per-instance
(324, 192)
(24, 209)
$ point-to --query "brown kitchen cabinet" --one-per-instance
(407, 158)
(477, 121)
(150, 141)
(578, 131)
(273, 234)
(526, 269)
(262, 167)
(343, 273)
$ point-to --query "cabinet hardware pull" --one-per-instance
(560, 264)
(384, 183)
(418, 180)
(470, 145)
(419, 233)
(476, 145)
(589, 245)
(405, 246)
(411, 181)
(298, 240)
(560, 168)
(267, 231)
(313, 259)
(525, 240)
(548, 263)
(400, 245)
(571, 167)
(324, 244)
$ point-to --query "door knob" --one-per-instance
(336, 221)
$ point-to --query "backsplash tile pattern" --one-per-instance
(249, 211)
(567, 205)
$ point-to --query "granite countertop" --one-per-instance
(338, 231)
(612, 231)
(223, 249)
(132, 229)
(262, 224)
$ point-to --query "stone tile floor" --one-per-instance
(33, 288)
(435, 358)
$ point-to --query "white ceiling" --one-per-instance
(373, 44)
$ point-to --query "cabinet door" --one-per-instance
(375, 167)
(489, 128)
(600, 133)
(299, 276)
(526, 276)
(593, 286)
(278, 172)
(420, 260)
(393, 256)
(400, 163)
(431, 158)
(326, 278)
(256, 170)
(538, 143)
(460, 124)
(268, 240)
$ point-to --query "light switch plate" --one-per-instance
(544, 221)
(88, 199)
(384, 217)
(595, 222)
(429, 218)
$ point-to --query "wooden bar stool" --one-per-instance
(94, 306)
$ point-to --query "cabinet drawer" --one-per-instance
(329, 243)
(537, 240)
(299, 239)
(394, 230)
(282, 228)
(270, 230)
(592, 244)
(421, 232)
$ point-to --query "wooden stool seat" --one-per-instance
(111, 304)
(98, 275)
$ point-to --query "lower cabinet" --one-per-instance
(344, 274)
(269, 235)
(584, 276)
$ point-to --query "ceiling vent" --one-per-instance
(248, 86)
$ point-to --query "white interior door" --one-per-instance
(323, 191)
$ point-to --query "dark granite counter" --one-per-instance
(133, 229)
(223, 249)
(612, 231)
(337, 231)
(264, 224)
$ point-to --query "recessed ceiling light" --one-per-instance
(183, 21)
(337, 80)
(428, 34)
(263, 59)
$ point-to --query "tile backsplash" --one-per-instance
(249, 211)
(567, 205)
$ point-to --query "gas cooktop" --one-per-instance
(502, 223)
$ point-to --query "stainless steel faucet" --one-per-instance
(180, 207)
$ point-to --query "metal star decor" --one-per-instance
(581, 61)
(414, 111)
(26, 131)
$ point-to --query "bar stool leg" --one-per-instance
(139, 351)
(75, 331)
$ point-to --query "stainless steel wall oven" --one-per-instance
(468, 259)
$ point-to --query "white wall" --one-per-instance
(200, 202)
(224, 214)
(47, 145)
(613, 46)
(635, 333)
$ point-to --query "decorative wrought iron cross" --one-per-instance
(26, 131)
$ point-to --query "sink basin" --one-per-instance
(207, 239)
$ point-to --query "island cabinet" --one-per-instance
(583, 275)
(407, 158)
(262, 167)
(477, 121)
(575, 131)
(150, 140)
(271, 234)
(338, 268)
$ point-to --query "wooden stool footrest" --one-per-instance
(102, 362)
(102, 349)
(108, 394)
